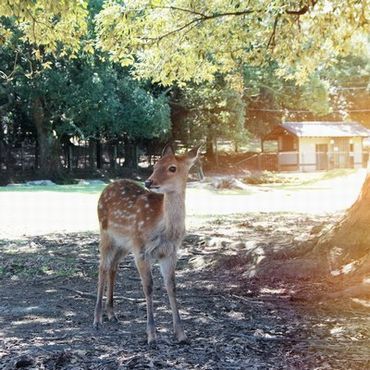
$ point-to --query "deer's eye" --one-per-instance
(172, 168)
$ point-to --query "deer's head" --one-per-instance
(171, 171)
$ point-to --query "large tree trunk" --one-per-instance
(347, 245)
(48, 155)
(340, 256)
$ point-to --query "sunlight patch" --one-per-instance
(362, 302)
(346, 269)
(273, 291)
(33, 320)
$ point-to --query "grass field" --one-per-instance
(34, 210)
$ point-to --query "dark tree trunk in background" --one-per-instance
(210, 152)
(130, 154)
(10, 160)
(98, 154)
(211, 145)
(113, 156)
(69, 157)
(48, 153)
(92, 153)
(36, 155)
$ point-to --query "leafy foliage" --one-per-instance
(271, 98)
(179, 41)
(142, 115)
(53, 97)
(54, 26)
(215, 111)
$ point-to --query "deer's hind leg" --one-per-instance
(110, 256)
(111, 278)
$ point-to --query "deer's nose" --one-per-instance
(148, 183)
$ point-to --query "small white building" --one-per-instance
(312, 146)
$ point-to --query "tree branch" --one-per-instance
(180, 9)
(202, 17)
(304, 8)
(179, 29)
(271, 41)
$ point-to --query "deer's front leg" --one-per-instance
(144, 268)
(168, 266)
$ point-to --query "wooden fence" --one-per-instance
(24, 156)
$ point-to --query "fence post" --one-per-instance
(70, 156)
(114, 156)
(98, 154)
(22, 156)
(36, 155)
(259, 161)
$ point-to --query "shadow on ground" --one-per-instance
(47, 300)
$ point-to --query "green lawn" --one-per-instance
(83, 189)
(37, 210)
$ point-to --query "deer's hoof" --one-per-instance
(152, 343)
(183, 339)
(97, 325)
(113, 318)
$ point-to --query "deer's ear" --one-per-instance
(194, 154)
(168, 150)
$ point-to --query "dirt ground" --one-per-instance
(48, 276)
(234, 321)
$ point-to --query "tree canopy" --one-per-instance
(55, 26)
(176, 41)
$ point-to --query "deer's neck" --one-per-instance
(174, 214)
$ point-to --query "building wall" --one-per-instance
(357, 151)
(307, 152)
(308, 156)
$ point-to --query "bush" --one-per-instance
(265, 177)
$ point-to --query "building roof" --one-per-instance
(326, 129)
(318, 129)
